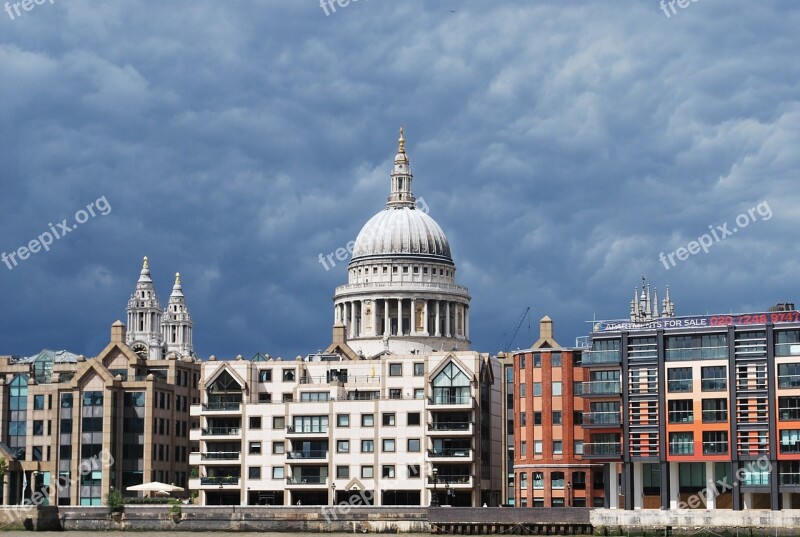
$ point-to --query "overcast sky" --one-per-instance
(562, 146)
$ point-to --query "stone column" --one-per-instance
(787, 500)
(638, 490)
(438, 332)
(374, 317)
(386, 325)
(425, 319)
(413, 317)
(447, 323)
(466, 322)
(613, 486)
(711, 491)
(399, 316)
(358, 321)
(674, 489)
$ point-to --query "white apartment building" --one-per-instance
(397, 408)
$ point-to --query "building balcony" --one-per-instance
(454, 481)
(602, 419)
(450, 428)
(313, 456)
(602, 450)
(450, 453)
(221, 432)
(455, 401)
(292, 431)
(307, 482)
(601, 388)
(591, 358)
(226, 407)
(224, 483)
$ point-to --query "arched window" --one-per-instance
(451, 386)
(224, 393)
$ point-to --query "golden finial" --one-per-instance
(402, 141)
(177, 278)
(145, 265)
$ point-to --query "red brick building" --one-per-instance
(549, 468)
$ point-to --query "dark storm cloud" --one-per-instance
(561, 146)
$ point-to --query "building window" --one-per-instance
(537, 360)
(388, 419)
(523, 449)
(715, 443)
(789, 409)
(38, 427)
(679, 379)
(254, 472)
(557, 480)
(413, 445)
(367, 420)
(787, 342)
(395, 370)
(790, 441)
(288, 375)
(681, 411)
(387, 471)
(538, 480)
(555, 359)
(413, 471)
(342, 472)
(522, 390)
(557, 417)
(367, 446)
(537, 418)
(696, 347)
(523, 480)
(577, 418)
(278, 448)
(343, 420)
(537, 389)
(715, 410)
(419, 393)
(558, 447)
(255, 422)
(277, 472)
(713, 378)
(537, 447)
(522, 420)
(419, 369)
(789, 375)
(265, 375)
(395, 393)
(367, 472)
(388, 445)
(343, 446)
(557, 502)
(556, 388)
(255, 448)
(412, 418)
(451, 386)
(577, 447)
(681, 443)
(278, 422)
(38, 402)
(522, 361)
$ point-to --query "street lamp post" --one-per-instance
(333, 490)
(435, 499)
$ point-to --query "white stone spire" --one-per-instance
(177, 323)
(144, 317)
(401, 195)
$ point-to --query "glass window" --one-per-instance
(714, 378)
(395, 370)
(556, 388)
(537, 418)
(278, 422)
(522, 361)
(558, 447)
(537, 389)
(413, 418)
(557, 417)
(255, 422)
(715, 442)
(715, 410)
(538, 480)
(367, 446)
(388, 471)
(38, 402)
(388, 419)
(343, 420)
(277, 472)
(523, 449)
(413, 445)
(537, 447)
(557, 480)
(278, 448)
(367, 472)
(413, 471)
(38, 427)
(367, 420)
(537, 360)
(342, 472)
(555, 359)
(388, 445)
(522, 390)
(681, 443)
(681, 411)
(254, 472)
(255, 448)
(679, 379)
(789, 375)
(419, 369)
(343, 446)
(789, 409)
(523, 421)
(790, 441)
(419, 393)
(265, 375)
(578, 447)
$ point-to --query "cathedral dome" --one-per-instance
(402, 230)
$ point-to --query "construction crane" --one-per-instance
(505, 343)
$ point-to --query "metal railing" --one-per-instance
(227, 405)
(696, 353)
(220, 455)
(219, 480)
(291, 429)
(601, 357)
(679, 385)
(602, 418)
(450, 400)
(602, 387)
(450, 452)
(310, 454)
(788, 381)
(306, 480)
(449, 426)
(718, 447)
(449, 480)
(220, 431)
(602, 449)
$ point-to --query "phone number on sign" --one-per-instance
(755, 318)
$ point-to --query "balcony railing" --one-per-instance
(602, 387)
(788, 381)
(227, 405)
(291, 429)
(310, 454)
(221, 455)
(719, 384)
(790, 478)
(719, 447)
(221, 431)
(696, 353)
(602, 449)
(681, 448)
(679, 385)
(306, 480)
(219, 480)
(449, 426)
(449, 452)
(450, 400)
(602, 418)
(449, 480)
(601, 357)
